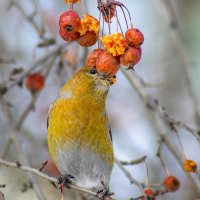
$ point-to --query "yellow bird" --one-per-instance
(79, 136)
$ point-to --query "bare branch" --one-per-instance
(186, 64)
(154, 105)
(20, 153)
(129, 176)
(156, 109)
(134, 162)
(45, 176)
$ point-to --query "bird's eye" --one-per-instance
(93, 71)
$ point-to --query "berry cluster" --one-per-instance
(117, 48)
(72, 27)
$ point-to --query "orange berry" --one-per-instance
(131, 57)
(35, 82)
(171, 183)
(88, 39)
(92, 58)
(69, 23)
(107, 64)
(190, 166)
(134, 37)
(149, 192)
(89, 23)
(70, 1)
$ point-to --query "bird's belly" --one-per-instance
(86, 166)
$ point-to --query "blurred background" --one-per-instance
(171, 50)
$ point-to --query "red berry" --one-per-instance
(35, 82)
(88, 39)
(131, 57)
(69, 23)
(134, 37)
(171, 183)
(149, 192)
(107, 64)
(92, 58)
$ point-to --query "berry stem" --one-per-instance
(118, 23)
(164, 166)
(99, 43)
(124, 16)
(181, 145)
(71, 5)
(147, 173)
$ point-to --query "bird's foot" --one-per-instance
(65, 181)
(104, 193)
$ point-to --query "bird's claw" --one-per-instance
(65, 180)
(104, 193)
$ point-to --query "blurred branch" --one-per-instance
(5, 86)
(1, 196)
(174, 151)
(129, 176)
(20, 153)
(6, 61)
(35, 96)
(30, 18)
(134, 162)
(168, 5)
(156, 109)
(154, 105)
(45, 176)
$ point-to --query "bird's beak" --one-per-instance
(109, 80)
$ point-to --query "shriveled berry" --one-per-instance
(107, 64)
(190, 166)
(69, 23)
(134, 37)
(109, 13)
(131, 57)
(92, 58)
(88, 39)
(35, 82)
(171, 183)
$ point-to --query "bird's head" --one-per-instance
(87, 81)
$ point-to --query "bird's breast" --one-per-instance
(80, 122)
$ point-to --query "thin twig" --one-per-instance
(30, 19)
(134, 162)
(129, 176)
